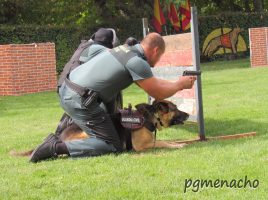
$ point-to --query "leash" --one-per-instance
(155, 131)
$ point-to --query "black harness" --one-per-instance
(133, 119)
(149, 124)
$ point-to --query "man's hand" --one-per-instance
(162, 89)
(187, 82)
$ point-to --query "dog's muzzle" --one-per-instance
(179, 119)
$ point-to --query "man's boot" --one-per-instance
(65, 122)
(46, 150)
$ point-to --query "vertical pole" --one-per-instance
(196, 65)
(145, 27)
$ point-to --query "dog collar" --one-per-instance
(159, 120)
(150, 126)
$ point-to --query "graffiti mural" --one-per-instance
(224, 41)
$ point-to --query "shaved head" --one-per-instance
(154, 47)
(153, 40)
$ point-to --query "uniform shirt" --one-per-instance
(91, 52)
(106, 75)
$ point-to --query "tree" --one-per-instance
(207, 7)
(83, 12)
(258, 5)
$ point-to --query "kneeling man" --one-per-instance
(96, 82)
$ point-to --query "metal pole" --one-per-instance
(196, 65)
(145, 27)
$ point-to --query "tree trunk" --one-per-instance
(258, 5)
(247, 7)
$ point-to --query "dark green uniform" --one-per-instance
(107, 76)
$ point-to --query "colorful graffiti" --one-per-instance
(224, 41)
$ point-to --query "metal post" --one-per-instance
(145, 27)
(196, 65)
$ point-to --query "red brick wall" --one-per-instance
(27, 68)
(178, 51)
(258, 38)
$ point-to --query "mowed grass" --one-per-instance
(235, 99)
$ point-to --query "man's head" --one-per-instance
(154, 47)
(105, 37)
(131, 41)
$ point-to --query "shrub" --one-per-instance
(67, 38)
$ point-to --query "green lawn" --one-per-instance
(235, 99)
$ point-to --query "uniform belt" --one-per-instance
(82, 91)
(88, 96)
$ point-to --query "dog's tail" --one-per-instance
(21, 154)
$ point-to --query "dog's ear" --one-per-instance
(142, 107)
(161, 105)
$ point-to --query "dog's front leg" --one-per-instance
(163, 144)
(143, 139)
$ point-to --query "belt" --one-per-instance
(82, 91)
(88, 95)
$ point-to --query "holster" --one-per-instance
(89, 98)
(88, 95)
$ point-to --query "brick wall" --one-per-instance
(258, 38)
(178, 51)
(27, 68)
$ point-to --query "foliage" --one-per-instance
(66, 38)
(83, 12)
(210, 7)
(66, 12)
(234, 102)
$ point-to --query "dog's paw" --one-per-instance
(177, 146)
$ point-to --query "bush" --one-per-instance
(67, 38)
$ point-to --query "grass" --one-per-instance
(235, 100)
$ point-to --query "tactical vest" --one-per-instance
(74, 61)
(122, 53)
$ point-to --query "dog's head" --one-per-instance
(169, 114)
(166, 111)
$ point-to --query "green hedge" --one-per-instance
(67, 38)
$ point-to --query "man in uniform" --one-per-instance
(98, 81)
(101, 40)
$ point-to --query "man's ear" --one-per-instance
(157, 51)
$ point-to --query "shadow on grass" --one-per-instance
(215, 127)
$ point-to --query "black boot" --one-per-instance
(65, 122)
(45, 150)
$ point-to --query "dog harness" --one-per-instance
(133, 120)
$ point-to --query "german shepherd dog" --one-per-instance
(161, 114)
